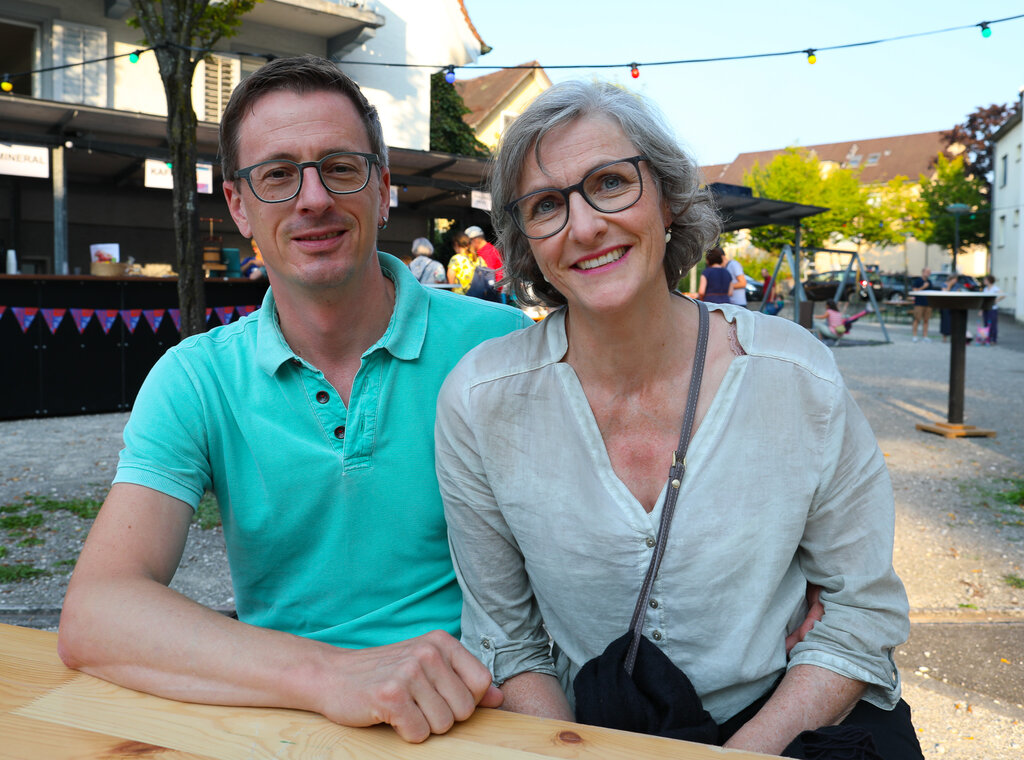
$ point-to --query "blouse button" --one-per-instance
(656, 635)
(323, 397)
(654, 604)
(485, 643)
(651, 542)
(339, 432)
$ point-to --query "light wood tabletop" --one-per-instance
(48, 712)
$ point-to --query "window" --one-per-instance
(854, 162)
(507, 117)
(1016, 217)
(221, 75)
(1001, 231)
(873, 159)
(18, 46)
(1003, 160)
(75, 44)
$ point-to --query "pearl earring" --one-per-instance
(668, 235)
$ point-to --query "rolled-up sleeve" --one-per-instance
(501, 622)
(847, 550)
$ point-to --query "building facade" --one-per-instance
(1007, 209)
(82, 131)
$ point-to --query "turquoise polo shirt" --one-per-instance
(332, 514)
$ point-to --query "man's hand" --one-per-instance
(421, 686)
(815, 612)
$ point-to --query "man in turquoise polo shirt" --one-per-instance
(312, 421)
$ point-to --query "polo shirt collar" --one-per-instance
(403, 338)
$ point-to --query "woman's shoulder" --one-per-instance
(522, 351)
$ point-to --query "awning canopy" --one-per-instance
(740, 210)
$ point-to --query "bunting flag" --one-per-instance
(53, 318)
(209, 311)
(154, 317)
(2, 310)
(131, 318)
(245, 311)
(107, 317)
(24, 315)
(176, 318)
(224, 313)
(81, 317)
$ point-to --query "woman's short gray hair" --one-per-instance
(695, 222)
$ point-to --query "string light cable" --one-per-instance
(811, 54)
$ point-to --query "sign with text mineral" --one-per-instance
(158, 175)
(24, 160)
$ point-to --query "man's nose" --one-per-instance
(312, 193)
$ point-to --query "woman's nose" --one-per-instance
(585, 222)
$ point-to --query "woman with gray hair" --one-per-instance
(553, 445)
(427, 270)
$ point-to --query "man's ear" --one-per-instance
(385, 193)
(234, 199)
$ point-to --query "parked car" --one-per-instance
(895, 285)
(821, 286)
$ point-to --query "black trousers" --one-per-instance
(892, 730)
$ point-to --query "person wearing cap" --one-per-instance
(463, 263)
(484, 250)
(427, 270)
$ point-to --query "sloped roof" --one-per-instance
(484, 47)
(879, 159)
(483, 94)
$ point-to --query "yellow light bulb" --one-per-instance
(812, 58)
(6, 86)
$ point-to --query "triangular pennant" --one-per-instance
(81, 317)
(176, 318)
(209, 311)
(2, 310)
(245, 311)
(53, 318)
(131, 318)
(25, 315)
(154, 317)
(224, 313)
(107, 317)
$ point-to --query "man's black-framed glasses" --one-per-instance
(280, 180)
(609, 188)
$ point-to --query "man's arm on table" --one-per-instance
(122, 623)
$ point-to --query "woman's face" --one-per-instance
(598, 261)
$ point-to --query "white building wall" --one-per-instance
(1007, 225)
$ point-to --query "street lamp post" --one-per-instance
(956, 209)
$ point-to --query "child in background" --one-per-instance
(835, 322)
(990, 317)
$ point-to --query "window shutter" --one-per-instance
(72, 45)
(220, 78)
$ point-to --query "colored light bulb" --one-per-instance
(449, 75)
(985, 31)
(6, 86)
(634, 72)
(134, 57)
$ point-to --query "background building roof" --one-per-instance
(484, 94)
(878, 159)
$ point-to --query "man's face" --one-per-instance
(926, 273)
(317, 239)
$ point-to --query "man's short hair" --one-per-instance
(299, 74)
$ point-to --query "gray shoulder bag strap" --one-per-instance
(675, 479)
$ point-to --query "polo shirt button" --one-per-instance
(339, 432)
(654, 604)
(323, 397)
(651, 543)
(656, 635)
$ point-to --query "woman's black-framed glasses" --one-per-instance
(609, 188)
(280, 180)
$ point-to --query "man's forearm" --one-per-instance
(808, 697)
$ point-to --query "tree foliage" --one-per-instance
(181, 33)
(892, 213)
(448, 132)
(975, 134)
(796, 175)
(954, 184)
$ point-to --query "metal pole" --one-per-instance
(956, 238)
(60, 211)
(957, 364)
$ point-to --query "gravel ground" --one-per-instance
(955, 542)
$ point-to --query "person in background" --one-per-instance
(922, 312)
(990, 317)
(835, 322)
(483, 249)
(427, 270)
(463, 264)
(738, 295)
(554, 444)
(954, 285)
(716, 284)
(252, 266)
(311, 421)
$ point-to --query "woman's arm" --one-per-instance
(703, 286)
(536, 694)
(807, 698)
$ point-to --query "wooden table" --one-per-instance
(958, 303)
(48, 712)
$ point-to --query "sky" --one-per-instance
(721, 109)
